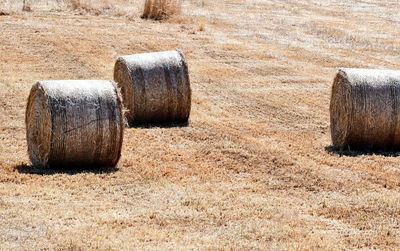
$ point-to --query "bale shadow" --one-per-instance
(359, 152)
(30, 169)
(159, 125)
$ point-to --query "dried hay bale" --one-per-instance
(74, 123)
(161, 9)
(155, 87)
(364, 109)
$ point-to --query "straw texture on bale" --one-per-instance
(365, 109)
(155, 87)
(74, 123)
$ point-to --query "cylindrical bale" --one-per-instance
(365, 109)
(155, 87)
(74, 123)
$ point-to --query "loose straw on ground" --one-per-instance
(74, 123)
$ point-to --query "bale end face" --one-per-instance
(122, 74)
(38, 126)
(339, 110)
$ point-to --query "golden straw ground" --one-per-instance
(253, 171)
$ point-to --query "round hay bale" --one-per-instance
(364, 109)
(155, 87)
(74, 123)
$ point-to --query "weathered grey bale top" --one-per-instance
(365, 109)
(74, 123)
(155, 87)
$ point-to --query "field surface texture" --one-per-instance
(254, 169)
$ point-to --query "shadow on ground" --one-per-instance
(159, 125)
(360, 152)
(30, 169)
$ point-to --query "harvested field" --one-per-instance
(253, 169)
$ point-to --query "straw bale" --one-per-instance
(74, 123)
(155, 87)
(364, 109)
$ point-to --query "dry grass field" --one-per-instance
(253, 169)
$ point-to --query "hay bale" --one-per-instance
(155, 87)
(364, 109)
(161, 9)
(74, 123)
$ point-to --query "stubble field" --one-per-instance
(253, 169)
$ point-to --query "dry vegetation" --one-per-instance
(253, 170)
(125, 8)
(161, 9)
